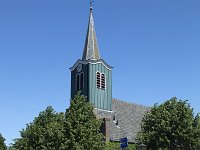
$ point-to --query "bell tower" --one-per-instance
(91, 75)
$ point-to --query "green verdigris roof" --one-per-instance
(91, 50)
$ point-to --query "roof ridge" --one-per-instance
(130, 103)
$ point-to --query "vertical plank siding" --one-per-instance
(101, 99)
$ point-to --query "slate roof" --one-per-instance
(125, 119)
(91, 50)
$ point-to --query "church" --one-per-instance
(93, 77)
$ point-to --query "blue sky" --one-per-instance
(153, 45)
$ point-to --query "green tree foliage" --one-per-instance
(2, 144)
(197, 121)
(82, 127)
(46, 132)
(77, 129)
(197, 130)
(116, 146)
(112, 146)
(169, 126)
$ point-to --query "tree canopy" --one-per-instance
(2, 144)
(77, 129)
(44, 133)
(82, 127)
(197, 130)
(170, 126)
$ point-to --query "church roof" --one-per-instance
(91, 50)
(125, 119)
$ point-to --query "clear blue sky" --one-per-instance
(153, 45)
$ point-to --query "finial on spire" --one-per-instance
(91, 1)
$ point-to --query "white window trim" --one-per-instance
(78, 88)
(101, 81)
(104, 81)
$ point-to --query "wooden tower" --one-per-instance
(91, 75)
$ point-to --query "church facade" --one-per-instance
(92, 76)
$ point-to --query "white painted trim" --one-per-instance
(79, 86)
(88, 62)
(105, 86)
(103, 110)
(99, 79)
(99, 63)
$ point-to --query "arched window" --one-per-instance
(98, 76)
(82, 81)
(103, 81)
(79, 81)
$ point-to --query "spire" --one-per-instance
(91, 50)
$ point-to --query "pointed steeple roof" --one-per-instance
(91, 50)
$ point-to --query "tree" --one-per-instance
(2, 144)
(197, 130)
(82, 127)
(169, 126)
(46, 132)
(197, 121)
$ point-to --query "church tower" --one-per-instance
(91, 75)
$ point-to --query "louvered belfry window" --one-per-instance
(103, 81)
(100, 80)
(79, 81)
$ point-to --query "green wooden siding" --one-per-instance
(101, 99)
(84, 91)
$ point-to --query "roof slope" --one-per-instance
(91, 50)
(125, 119)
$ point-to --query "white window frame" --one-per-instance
(100, 82)
(99, 87)
(78, 81)
(103, 74)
